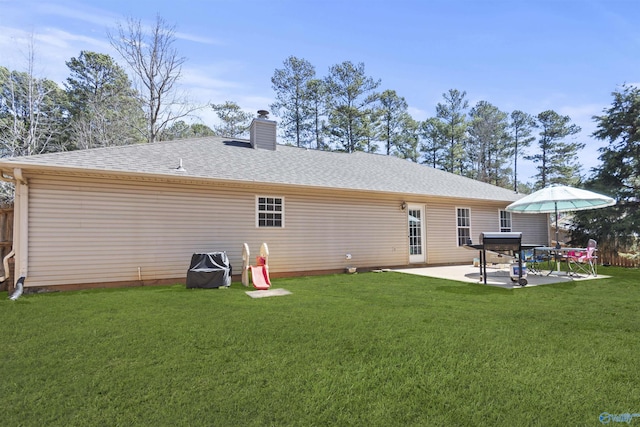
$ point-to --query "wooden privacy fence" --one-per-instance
(6, 243)
(617, 260)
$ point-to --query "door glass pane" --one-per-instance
(415, 232)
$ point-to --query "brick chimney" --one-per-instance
(262, 132)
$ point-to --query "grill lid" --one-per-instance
(501, 241)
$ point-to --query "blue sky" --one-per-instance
(565, 55)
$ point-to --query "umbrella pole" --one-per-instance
(557, 239)
(557, 230)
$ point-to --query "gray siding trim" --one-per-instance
(263, 134)
(534, 227)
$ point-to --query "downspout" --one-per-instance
(18, 291)
(5, 264)
(5, 260)
(19, 229)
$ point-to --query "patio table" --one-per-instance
(558, 255)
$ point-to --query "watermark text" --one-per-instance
(606, 418)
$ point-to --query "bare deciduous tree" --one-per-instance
(32, 112)
(157, 67)
(33, 116)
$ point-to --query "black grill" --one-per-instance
(501, 242)
(505, 241)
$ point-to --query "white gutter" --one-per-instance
(17, 174)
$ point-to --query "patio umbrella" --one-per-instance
(560, 198)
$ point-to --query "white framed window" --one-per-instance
(463, 225)
(505, 221)
(269, 212)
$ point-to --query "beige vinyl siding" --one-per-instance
(441, 237)
(105, 231)
(320, 232)
(86, 233)
(534, 227)
(442, 232)
(90, 229)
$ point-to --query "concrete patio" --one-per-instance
(497, 275)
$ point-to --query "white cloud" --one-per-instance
(204, 78)
(254, 103)
(52, 47)
(84, 14)
(198, 39)
(64, 40)
(418, 113)
(582, 115)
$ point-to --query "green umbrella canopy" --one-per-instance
(560, 198)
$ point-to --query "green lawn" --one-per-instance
(372, 349)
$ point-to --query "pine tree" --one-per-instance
(521, 125)
(104, 107)
(488, 144)
(234, 122)
(316, 92)
(558, 158)
(349, 95)
(453, 114)
(408, 143)
(433, 142)
(294, 103)
(616, 227)
(392, 120)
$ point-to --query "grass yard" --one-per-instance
(372, 349)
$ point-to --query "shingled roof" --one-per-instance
(215, 158)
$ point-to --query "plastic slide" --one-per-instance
(260, 277)
(259, 272)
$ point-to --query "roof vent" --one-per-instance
(180, 168)
(262, 132)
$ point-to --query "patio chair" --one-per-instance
(535, 260)
(584, 261)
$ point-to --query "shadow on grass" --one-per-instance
(183, 288)
(474, 289)
(479, 289)
(562, 286)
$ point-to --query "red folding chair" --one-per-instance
(584, 261)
